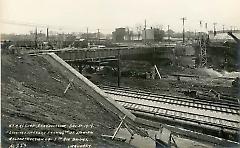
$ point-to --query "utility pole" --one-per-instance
(47, 34)
(168, 33)
(195, 34)
(214, 29)
(138, 32)
(145, 29)
(87, 33)
(36, 38)
(98, 34)
(223, 28)
(183, 19)
(87, 38)
(61, 39)
(119, 67)
(128, 34)
(201, 23)
(200, 31)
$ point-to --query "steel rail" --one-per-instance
(223, 102)
(175, 100)
(187, 103)
(181, 115)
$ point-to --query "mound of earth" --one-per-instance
(33, 105)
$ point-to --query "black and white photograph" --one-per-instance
(120, 73)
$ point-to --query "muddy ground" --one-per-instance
(32, 94)
(205, 80)
(169, 85)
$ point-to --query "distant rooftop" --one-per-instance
(223, 36)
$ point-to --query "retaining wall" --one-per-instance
(87, 86)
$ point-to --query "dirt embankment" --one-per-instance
(33, 93)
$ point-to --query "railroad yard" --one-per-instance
(147, 85)
(206, 104)
(188, 102)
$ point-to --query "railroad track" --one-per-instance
(229, 107)
(152, 105)
(182, 116)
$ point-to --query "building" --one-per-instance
(152, 35)
(119, 34)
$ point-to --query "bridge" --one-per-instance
(133, 53)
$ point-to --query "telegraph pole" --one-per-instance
(195, 34)
(145, 29)
(119, 68)
(201, 23)
(200, 31)
(183, 19)
(98, 33)
(128, 32)
(36, 38)
(87, 33)
(47, 34)
(214, 28)
(168, 33)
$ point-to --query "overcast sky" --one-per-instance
(77, 15)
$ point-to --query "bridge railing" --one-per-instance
(72, 55)
(69, 54)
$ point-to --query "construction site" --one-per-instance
(144, 88)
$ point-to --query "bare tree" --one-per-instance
(138, 29)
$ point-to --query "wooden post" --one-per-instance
(118, 127)
(68, 86)
(158, 72)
